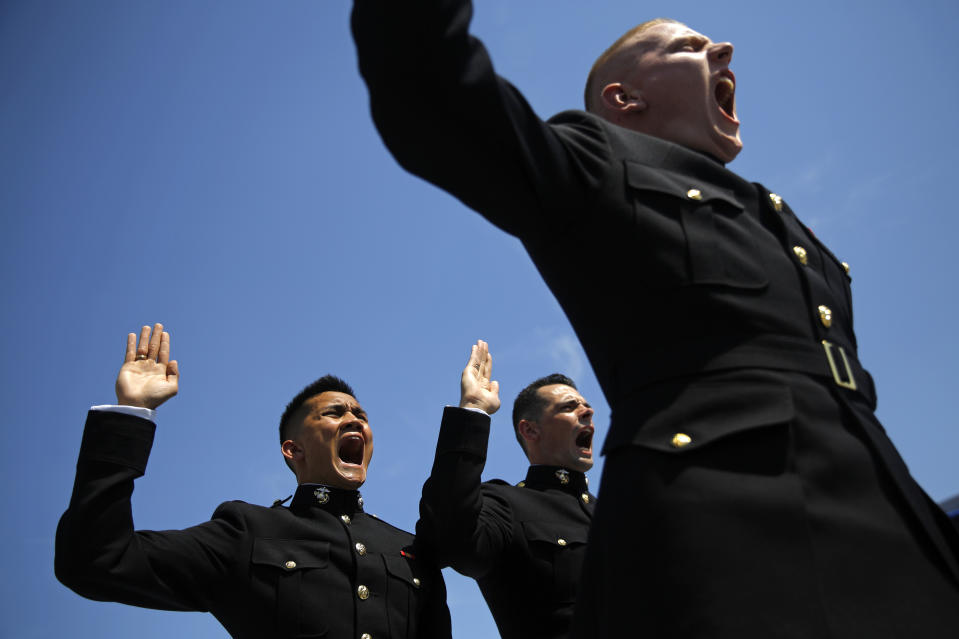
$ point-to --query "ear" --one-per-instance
(528, 430)
(291, 450)
(622, 98)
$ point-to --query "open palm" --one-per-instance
(148, 377)
(477, 390)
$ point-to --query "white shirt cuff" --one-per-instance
(135, 411)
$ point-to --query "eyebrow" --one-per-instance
(690, 38)
(356, 409)
(574, 400)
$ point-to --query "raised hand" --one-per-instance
(148, 377)
(477, 390)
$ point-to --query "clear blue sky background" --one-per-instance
(212, 165)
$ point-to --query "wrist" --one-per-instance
(122, 401)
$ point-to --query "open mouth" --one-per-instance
(585, 439)
(351, 449)
(725, 94)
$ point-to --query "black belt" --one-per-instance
(827, 360)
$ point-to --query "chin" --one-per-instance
(351, 480)
(582, 464)
(726, 147)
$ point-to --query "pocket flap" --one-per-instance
(291, 554)
(682, 417)
(644, 178)
(556, 533)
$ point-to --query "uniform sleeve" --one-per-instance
(461, 524)
(447, 117)
(101, 557)
(434, 618)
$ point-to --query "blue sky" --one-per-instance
(212, 165)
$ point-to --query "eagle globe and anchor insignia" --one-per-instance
(322, 494)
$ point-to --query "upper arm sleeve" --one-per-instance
(447, 116)
(462, 524)
(100, 555)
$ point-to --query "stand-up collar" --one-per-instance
(335, 500)
(570, 481)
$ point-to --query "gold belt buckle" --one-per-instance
(828, 347)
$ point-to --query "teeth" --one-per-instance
(725, 88)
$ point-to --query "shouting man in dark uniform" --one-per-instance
(748, 490)
(523, 544)
(321, 567)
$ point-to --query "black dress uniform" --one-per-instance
(951, 507)
(523, 544)
(748, 490)
(320, 568)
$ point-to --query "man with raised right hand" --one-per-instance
(321, 567)
(524, 543)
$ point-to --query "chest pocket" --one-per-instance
(692, 234)
(288, 568)
(403, 585)
(558, 550)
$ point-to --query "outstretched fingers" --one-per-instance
(143, 345)
(486, 360)
(131, 353)
(163, 355)
(154, 349)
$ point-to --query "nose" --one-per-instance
(586, 414)
(351, 422)
(721, 52)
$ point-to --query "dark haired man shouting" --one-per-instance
(321, 567)
(748, 490)
(523, 544)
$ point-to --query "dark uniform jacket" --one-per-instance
(951, 507)
(523, 544)
(748, 488)
(320, 568)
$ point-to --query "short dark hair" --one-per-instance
(529, 404)
(589, 92)
(322, 385)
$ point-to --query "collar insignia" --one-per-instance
(563, 476)
(322, 494)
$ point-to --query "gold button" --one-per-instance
(360, 549)
(801, 255)
(777, 202)
(845, 266)
(561, 541)
(416, 581)
(345, 518)
(585, 498)
(694, 194)
(290, 565)
(366, 635)
(363, 592)
(522, 484)
(825, 316)
(681, 439)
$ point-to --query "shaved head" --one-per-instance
(613, 60)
